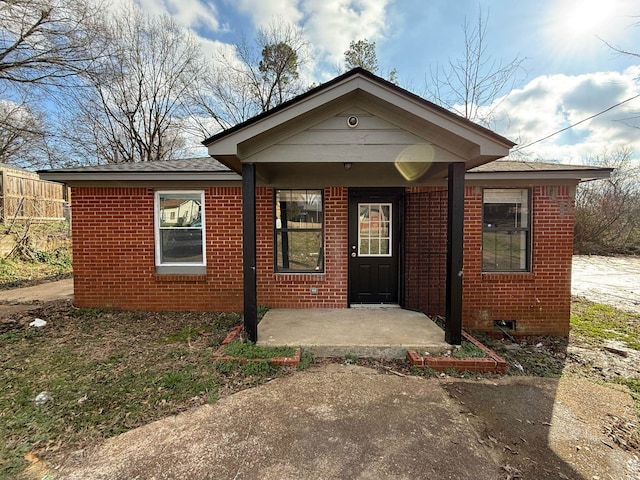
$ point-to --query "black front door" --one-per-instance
(374, 244)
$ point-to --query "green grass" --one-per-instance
(467, 350)
(185, 334)
(51, 251)
(249, 350)
(48, 265)
(107, 372)
(231, 368)
(306, 359)
(596, 322)
(350, 358)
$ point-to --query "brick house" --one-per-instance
(356, 192)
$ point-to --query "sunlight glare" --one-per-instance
(585, 17)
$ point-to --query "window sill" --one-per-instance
(181, 273)
(509, 277)
(298, 276)
(181, 269)
(180, 278)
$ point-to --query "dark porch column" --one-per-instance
(249, 251)
(455, 234)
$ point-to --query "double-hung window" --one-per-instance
(506, 230)
(179, 232)
(299, 231)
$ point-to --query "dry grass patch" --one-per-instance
(106, 372)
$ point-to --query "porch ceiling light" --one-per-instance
(347, 165)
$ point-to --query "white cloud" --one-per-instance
(262, 12)
(329, 25)
(193, 13)
(332, 24)
(189, 13)
(551, 103)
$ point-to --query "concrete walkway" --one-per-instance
(44, 292)
(348, 422)
(365, 332)
(337, 423)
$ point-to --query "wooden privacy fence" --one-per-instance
(24, 196)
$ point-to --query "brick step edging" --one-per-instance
(492, 363)
(219, 355)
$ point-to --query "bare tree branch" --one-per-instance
(471, 85)
(253, 77)
(46, 41)
(135, 98)
(607, 215)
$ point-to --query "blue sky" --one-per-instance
(569, 75)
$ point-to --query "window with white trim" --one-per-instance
(506, 230)
(179, 230)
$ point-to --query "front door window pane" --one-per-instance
(374, 229)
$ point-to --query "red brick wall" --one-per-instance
(425, 243)
(539, 301)
(114, 266)
(293, 290)
(114, 253)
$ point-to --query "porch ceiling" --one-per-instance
(399, 138)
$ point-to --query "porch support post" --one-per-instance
(455, 235)
(250, 286)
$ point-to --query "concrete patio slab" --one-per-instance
(364, 332)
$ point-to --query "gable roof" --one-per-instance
(337, 80)
(289, 133)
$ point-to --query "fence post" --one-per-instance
(3, 196)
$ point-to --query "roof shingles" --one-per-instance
(185, 165)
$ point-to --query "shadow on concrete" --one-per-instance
(546, 428)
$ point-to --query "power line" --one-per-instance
(577, 123)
